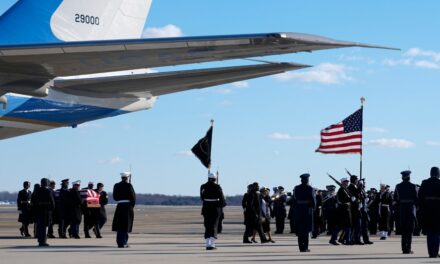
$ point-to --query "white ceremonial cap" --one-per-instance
(125, 174)
(344, 179)
(76, 183)
(212, 176)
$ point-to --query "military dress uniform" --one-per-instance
(344, 216)
(429, 197)
(330, 213)
(75, 214)
(405, 197)
(213, 200)
(385, 201)
(24, 208)
(279, 210)
(355, 194)
(62, 201)
(305, 204)
(44, 205)
(125, 197)
(103, 201)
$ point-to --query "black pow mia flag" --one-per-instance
(202, 149)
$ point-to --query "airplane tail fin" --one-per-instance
(54, 21)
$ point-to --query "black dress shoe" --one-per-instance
(334, 243)
(368, 243)
(271, 241)
(247, 242)
(43, 245)
(77, 237)
(50, 236)
(21, 231)
(408, 252)
(358, 243)
(211, 248)
(305, 250)
(254, 241)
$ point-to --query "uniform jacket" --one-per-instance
(405, 197)
(43, 205)
(124, 214)
(305, 203)
(429, 197)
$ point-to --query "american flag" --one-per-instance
(344, 137)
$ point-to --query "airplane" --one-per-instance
(67, 62)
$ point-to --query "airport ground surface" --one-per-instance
(174, 235)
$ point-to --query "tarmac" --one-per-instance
(175, 235)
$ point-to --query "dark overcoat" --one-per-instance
(405, 197)
(124, 214)
(305, 203)
(429, 197)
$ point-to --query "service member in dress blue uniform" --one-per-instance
(305, 203)
(75, 215)
(405, 198)
(213, 200)
(429, 197)
(62, 202)
(44, 205)
(103, 201)
(125, 197)
(24, 209)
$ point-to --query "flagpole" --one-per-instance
(362, 146)
(210, 150)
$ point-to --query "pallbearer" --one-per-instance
(305, 203)
(24, 209)
(213, 200)
(405, 197)
(384, 200)
(125, 197)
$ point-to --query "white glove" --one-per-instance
(353, 198)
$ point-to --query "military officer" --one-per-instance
(24, 209)
(213, 200)
(103, 201)
(355, 193)
(405, 198)
(279, 209)
(330, 212)
(62, 202)
(429, 197)
(384, 200)
(305, 203)
(75, 209)
(44, 205)
(125, 197)
(344, 208)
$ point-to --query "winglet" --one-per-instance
(318, 40)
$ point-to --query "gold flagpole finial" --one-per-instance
(362, 100)
(212, 122)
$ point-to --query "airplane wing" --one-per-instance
(35, 64)
(156, 84)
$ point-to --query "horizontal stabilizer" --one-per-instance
(155, 84)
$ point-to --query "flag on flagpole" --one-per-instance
(344, 137)
(202, 149)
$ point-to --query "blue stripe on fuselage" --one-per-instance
(37, 109)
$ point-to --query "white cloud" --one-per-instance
(325, 73)
(427, 65)
(287, 136)
(416, 52)
(280, 136)
(376, 130)
(223, 91)
(168, 31)
(433, 143)
(112, 161)
(415, 57)
(392, 143)
(185, 153)
(242, 84)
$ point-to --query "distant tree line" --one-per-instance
(148, 199)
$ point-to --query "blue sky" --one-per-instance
(266, 129)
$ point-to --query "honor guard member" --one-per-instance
(355, 209)
(279, 209)
(54, 214)
(103, 201)
(405, 198)
(24, 209)
(344, 208)
(213, 200)
(330, 212)
(429, 197)
(75, 209)
(365, 219)
(125, 197)
(305, 203)
(62, 203)
(384, 200)
(44, 205)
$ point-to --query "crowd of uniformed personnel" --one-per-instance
(66, 208)
(348, 215)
